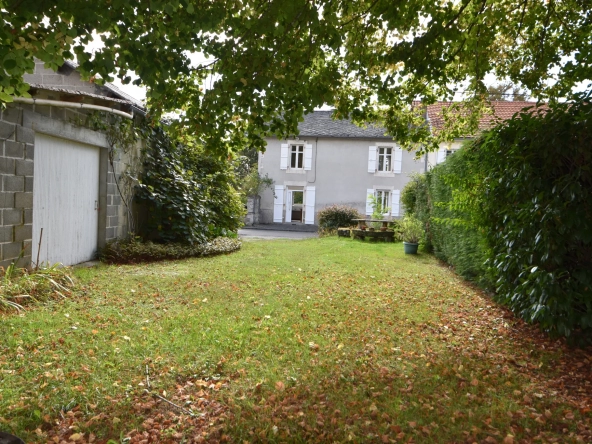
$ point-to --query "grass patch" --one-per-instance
(314, 340)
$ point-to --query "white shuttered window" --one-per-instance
(307, 157)
(372, 159)
(369, 194)
(398, 162)
(284, 156)
(395, 203)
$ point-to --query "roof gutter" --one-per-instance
(62, 104)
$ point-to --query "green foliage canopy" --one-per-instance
(270, 62)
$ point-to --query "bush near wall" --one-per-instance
(191, 196)
(134, 250)
(513, 211)
(335, 216)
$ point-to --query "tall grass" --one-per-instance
(19, 286)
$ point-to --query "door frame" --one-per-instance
(290, 203)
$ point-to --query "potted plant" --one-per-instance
(411, 232)
(378, 212)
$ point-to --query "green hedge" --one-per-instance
(536, 206)
(451, 229)
(513, 212)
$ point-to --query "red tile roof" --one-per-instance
(500, 111)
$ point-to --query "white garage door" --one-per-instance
(65, 200)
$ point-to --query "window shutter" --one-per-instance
(284, 157)
(372, 159)
(441, 155)
(308, 157)
(309, 213)
(369, 209)
(278, 204)
(395, 196)
(398, 162)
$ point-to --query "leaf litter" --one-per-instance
(412, 355)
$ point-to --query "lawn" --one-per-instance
(320, 340)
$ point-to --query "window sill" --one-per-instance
(295, 171)
(384, 174)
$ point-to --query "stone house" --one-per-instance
(57, 177)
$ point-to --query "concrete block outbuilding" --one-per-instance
(55, 173)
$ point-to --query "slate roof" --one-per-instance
(501, 111)
(320, 124)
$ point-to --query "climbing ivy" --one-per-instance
(123, 136)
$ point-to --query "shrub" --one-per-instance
(411, 229)
(414, 197)
(190, 195)
(452, 219)
(335, 216)
(254, 184)
(133, 250)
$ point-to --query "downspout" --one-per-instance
(71, 105)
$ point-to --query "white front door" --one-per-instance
(65, 201)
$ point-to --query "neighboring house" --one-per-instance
(500, 111)
(333, 162)
(56, 173)
(337, 162)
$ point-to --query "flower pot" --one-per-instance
(410, 248)
(372, 229)
(383, 228)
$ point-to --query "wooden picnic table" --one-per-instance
(362, 222)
